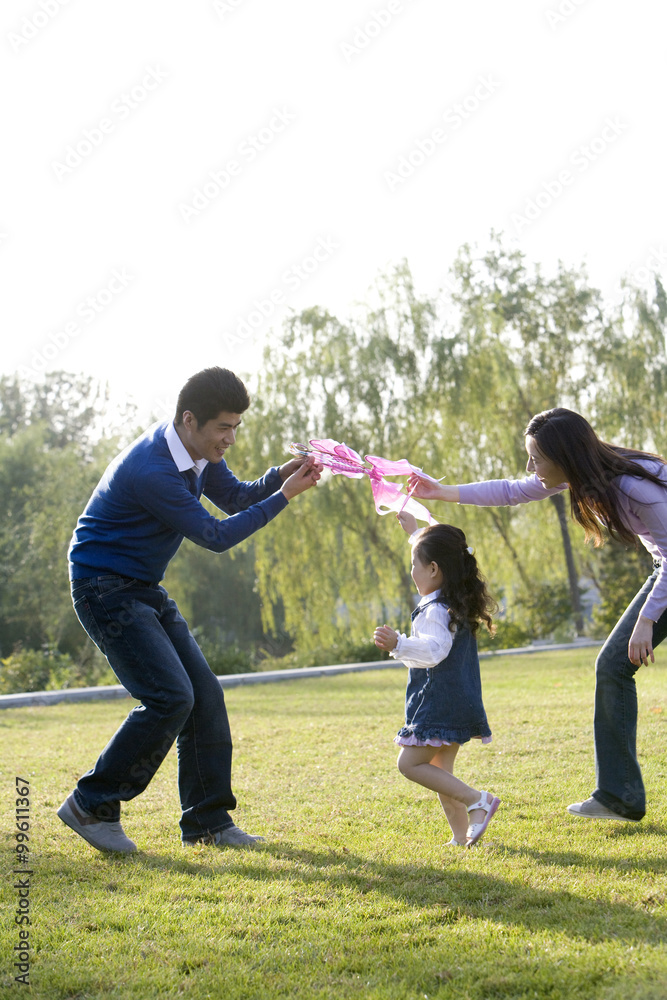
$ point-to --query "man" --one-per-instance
(145, 504)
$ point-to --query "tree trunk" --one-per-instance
(559, 503)
(500, 528)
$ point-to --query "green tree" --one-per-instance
(42, 491)
(631, 362)
(401, 382)
(51, 456)
(217, 593)
(332, 565)
(620, 573)
(522, 344)
(70, 408)
(449, 385)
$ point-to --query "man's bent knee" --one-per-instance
(173, 706)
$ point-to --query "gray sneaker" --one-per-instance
(231, 836)
(103, 836)
(592, 809)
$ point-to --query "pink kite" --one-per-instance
(344, 461)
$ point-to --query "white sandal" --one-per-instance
(490, 806)
(455, 843)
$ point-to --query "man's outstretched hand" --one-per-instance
(288, 468)
(306, 474)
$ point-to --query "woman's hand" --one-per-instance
(640, 646)
(385, 638)
(427, 490)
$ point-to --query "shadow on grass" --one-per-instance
(566, 859)
(446, 895)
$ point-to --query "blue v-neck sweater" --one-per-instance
(143, 507)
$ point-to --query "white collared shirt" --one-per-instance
(180, 454)
(431, 639)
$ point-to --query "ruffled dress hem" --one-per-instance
(409, 738)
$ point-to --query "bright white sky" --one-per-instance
(116, 111)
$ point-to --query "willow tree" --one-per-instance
(517, 343)
(332, 566)
(450, 385)
(631, 361)
(399, 381)
(55, 440)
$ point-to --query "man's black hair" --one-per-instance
(210, 392)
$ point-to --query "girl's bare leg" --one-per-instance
(456, 812)
(415, 764)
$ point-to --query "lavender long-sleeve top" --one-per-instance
(642, 505)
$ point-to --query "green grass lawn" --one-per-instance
(355, 893)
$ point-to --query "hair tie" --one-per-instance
(470, 550)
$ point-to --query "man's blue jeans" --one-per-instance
(619, 779)
(152, 652)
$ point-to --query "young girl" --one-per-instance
(443, 706)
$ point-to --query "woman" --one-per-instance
(624, 491)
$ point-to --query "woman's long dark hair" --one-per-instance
(590, 466)
(464, 590)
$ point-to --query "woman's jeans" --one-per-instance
(619, 779)
(149, 646)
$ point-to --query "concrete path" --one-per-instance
(259, 677)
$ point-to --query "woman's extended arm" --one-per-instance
(488, 493)
(427, 490)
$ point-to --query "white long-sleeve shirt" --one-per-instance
(431, 639)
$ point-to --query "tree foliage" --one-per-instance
(49, 464)
(330, 555)
(619, 573)
(448, 382)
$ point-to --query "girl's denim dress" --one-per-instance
(445, 702)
